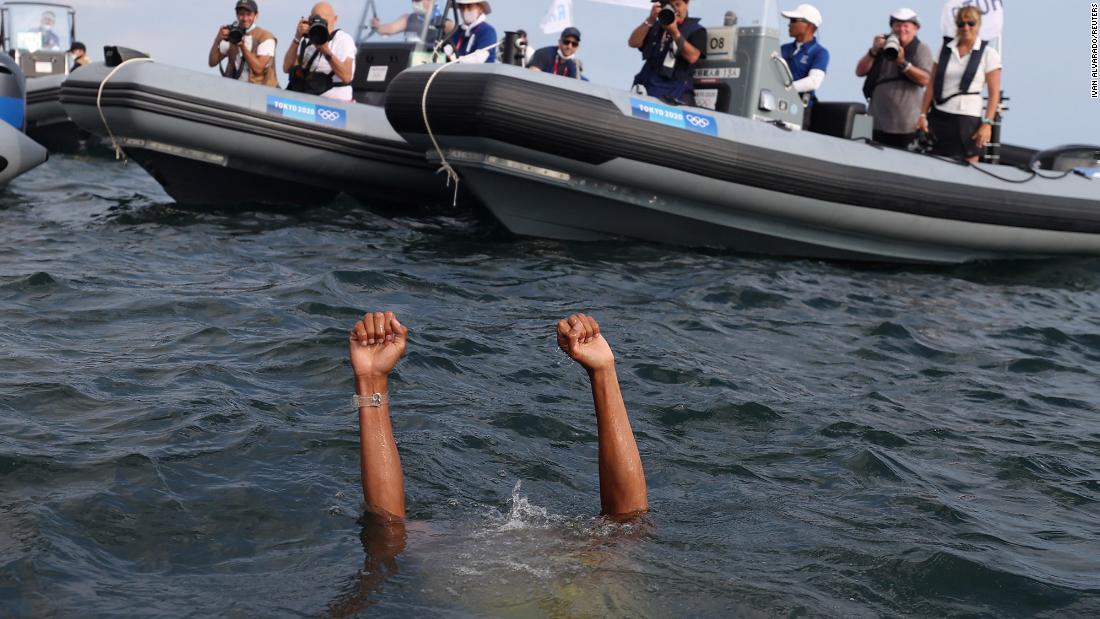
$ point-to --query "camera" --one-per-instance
(892, 47)
(318, 30)
(236, 33)
(667, 15)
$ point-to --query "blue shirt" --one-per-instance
(547, 60)
(481, 36)
(808, 57)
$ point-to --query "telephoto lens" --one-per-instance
(667, 15)
(892, 47)
(236, 33)
(318, 30)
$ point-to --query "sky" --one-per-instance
(1047, 46)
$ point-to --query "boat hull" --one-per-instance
(47, 121)
(18, 153)
(209, 140)
(555, 159)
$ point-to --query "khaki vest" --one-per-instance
(269, 77)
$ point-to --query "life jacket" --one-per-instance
(269, 77)
(654, 76)
(969, 73)
(878, 69)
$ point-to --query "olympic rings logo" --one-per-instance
(698, 121)
(329, 115)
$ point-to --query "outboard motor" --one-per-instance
(13, 93)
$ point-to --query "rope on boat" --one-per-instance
(119, 155)
(452, 174)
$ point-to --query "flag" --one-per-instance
(993, 17)
(558, 17)
(637, 4)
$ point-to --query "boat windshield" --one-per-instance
(34, 27)
(399, 20)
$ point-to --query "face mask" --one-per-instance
(470, 16)
(420, 9)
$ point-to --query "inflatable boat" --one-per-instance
(210, 140)
(564, 159)
(47, 121)
(18, 153)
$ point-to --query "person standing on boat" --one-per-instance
(807, 59)
(966, 64)
(80, 55)
(379, 340)
(670, 48)
(411, 24)
(475, 40)
(252, 58)
(324, 69)
(896, 78)
(560, 59)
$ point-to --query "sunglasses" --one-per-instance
(799, 20)
(571, 42)
(960, 24)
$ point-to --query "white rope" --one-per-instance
(452, 174)
(119, 155)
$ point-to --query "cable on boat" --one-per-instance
(119, 155)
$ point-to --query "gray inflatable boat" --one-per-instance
(18, 153)
(47, 121)
(213, 141)
(558, 158)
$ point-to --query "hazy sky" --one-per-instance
(1047, 47)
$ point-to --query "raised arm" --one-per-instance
(376, 343)
(622, 480)
(216, 54)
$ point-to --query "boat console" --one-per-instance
(745, 75)
(38, 36)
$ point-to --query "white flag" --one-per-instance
(993, 17)
(637, 4)
(558, 18)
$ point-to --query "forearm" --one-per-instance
(918, 76)
(290, 57)
(637, 38)
(863, 67)
(993, 81)
(379, 461)
(215, 55)
(622, 480)
(689, 52)
(256, 64)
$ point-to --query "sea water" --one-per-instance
(819, 439)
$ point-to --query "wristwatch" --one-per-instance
(905, 68)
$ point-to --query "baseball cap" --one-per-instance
(905, 15)
(571, 32)
(807, 12)
(249, 5)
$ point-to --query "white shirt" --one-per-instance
(342, 47)
(266, 49)
(966, 105)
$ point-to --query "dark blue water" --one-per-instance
(819, 439)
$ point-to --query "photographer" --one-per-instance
(322, 59)
(559, 60)
(671, 43)
(249, 48)
(898, 68)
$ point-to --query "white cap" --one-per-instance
(488, 7)
(807, 12)
(905, 15)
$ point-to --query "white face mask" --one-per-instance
(420, 9)
(470, 16)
